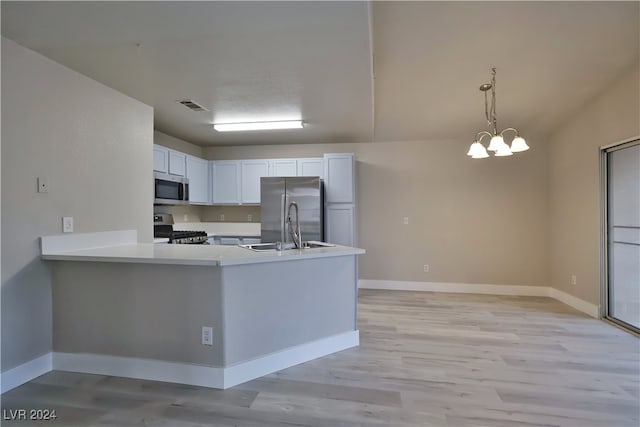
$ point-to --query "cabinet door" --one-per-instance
(252, 171)
(177, 163)
(284, 167)
(198, 175)
(311, 167)
(339, 178)
(160, 159)
(225, 182)
(340, 225)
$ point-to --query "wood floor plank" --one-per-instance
(425, 359)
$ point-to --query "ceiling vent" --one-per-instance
(192, 105)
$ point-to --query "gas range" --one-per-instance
(163, 228)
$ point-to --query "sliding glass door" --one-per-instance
(622, 260)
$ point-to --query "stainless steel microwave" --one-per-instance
(170, 189)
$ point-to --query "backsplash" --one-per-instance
(195, 213)
(189, 213)
(230, 213)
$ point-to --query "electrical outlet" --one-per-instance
(425, 268)
(405, 220)
(185, 218)
(574, 279)
(67, 224)
(207, 335)
(43, 184)
(249, 217)
(221, 217)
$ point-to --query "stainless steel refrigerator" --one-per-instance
(276, 197)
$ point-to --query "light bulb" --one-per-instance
(518, 144)
(496, 142)
(479, 151)
(504, 150)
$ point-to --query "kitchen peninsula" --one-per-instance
(141, 310)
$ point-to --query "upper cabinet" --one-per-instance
(166, 160)
(237, 182)
(177, 163)
(339, 178)
(197, 172)
(251, 172)
(160, 159)
(225, 182)
(311, 167)
(283, 167)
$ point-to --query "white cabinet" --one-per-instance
(225, 182)
(340, 197)
(252, 171)
(198, 175)
(283, 167)
(160, 159)
(310, 167)
(339, 178)
(340, 224)
(177, 163)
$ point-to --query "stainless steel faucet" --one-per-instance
(296, 235)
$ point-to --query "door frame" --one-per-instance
(604, 231)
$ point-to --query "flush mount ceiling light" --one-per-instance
(496, 144)
(236, 127)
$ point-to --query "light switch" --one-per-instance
(67, 224)
(43, 184)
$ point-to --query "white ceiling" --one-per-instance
(254, 61)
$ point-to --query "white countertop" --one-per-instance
(122, 246)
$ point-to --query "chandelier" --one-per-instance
(496, 143)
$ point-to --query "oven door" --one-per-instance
(170, 190)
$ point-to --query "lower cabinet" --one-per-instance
(340, 224)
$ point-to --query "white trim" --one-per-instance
(592, 310)
(24, 373)
(462, 288)
(206, 376)
(624, 141)
(290, 357)
(143, 369)
(470, 288)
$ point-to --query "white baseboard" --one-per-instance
(462, 288)
(206, 376)
(592, 310)
(142, 369)
(246, 371)
(24, 373)
(470, 288)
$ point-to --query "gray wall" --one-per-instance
(95, 147)
(575, 183)
(157, 311)
(137, 310)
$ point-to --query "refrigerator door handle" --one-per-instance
(284, 198)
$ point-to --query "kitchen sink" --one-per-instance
(261, 247)
(313, 244)
(267, 247)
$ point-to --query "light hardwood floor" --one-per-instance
(425, 359)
